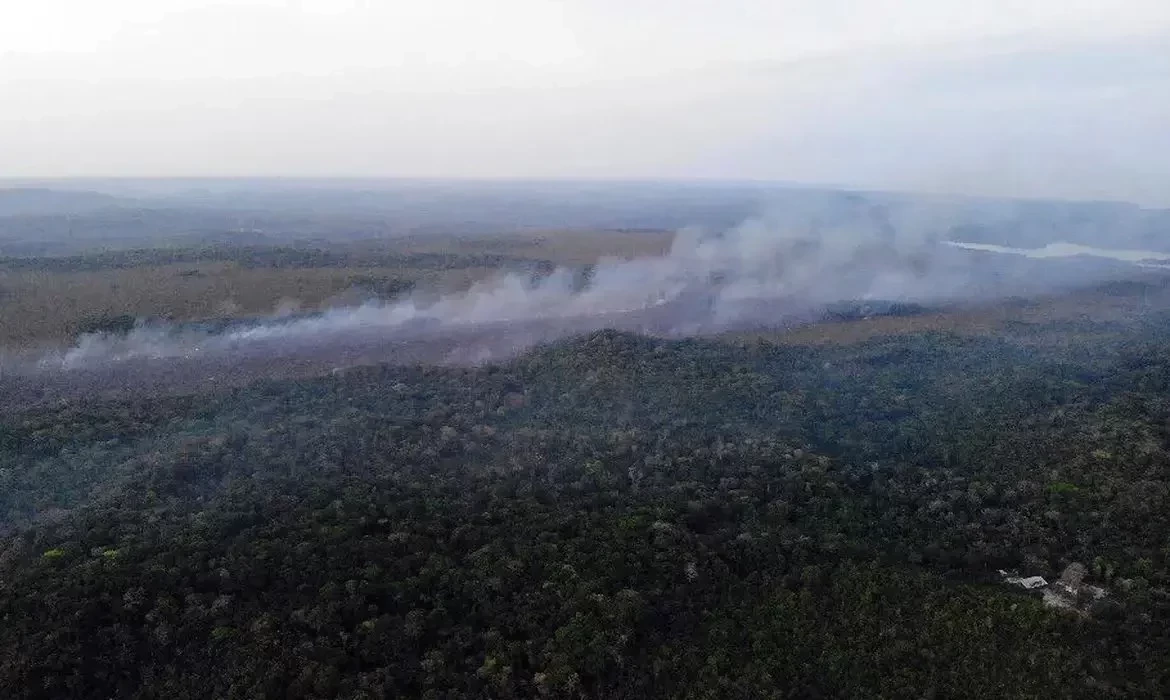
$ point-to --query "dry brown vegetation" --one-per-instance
(991, 318)
(560, 247)
(42, 306)
(39, 306)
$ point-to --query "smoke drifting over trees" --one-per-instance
(783, 266)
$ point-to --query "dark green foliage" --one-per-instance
(381, 286)
(614, 516)
(116, 325)
(255, 256)
(852, 311)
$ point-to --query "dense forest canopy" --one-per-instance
(610, 516)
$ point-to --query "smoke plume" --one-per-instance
(766, 271)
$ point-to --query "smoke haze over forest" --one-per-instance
(808, 252)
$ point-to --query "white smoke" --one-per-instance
(757, 271)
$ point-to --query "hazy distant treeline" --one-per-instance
(258, 257)
(40, 221)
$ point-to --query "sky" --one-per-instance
(1046, 98)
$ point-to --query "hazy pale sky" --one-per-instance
(1065, 98)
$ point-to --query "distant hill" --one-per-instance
(45, 218)
(23, 201)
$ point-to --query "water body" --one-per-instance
(1069, 250)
